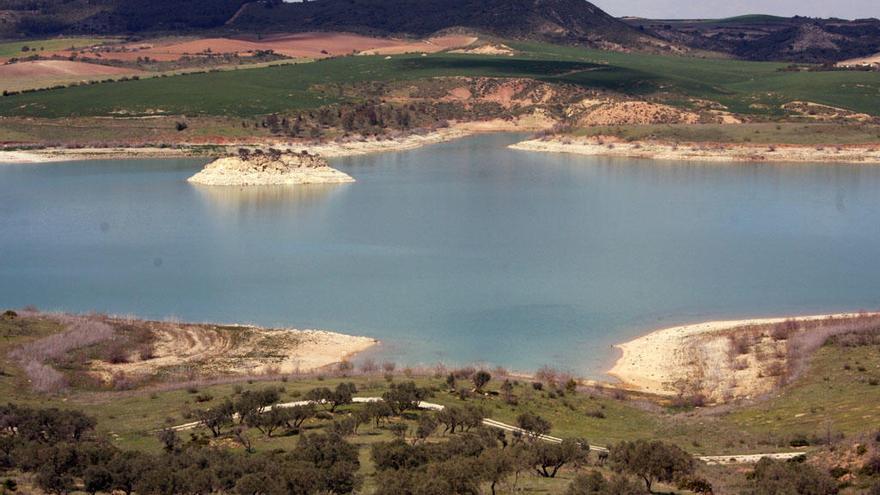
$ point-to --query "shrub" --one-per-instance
(116, 353)
(771, 477)
(651, 461)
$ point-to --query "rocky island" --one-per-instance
(272, 167)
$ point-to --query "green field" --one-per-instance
(14, 48)
(745, 87)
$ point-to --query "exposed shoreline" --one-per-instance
(662, 361)
(715, 152)
(327, 149)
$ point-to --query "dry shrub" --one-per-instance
(784, 330)
(815, 333)
(741, 364)
(116, 353)
(740, 343)
(44, 378)
(464, 373)
(34, 356)
(776, 368)
(345, 367)
(120, 381)
(368, 366)
(547, 375)
(146, 352)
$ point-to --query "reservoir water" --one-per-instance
(463, 252)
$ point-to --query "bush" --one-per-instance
(772, 477)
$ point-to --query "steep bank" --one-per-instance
(272, 168)
(703, 151)
(721, 361)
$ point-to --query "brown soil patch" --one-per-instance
(58, 68)
(308, 45)
(872, 60)
(635, 113)
(211, 350)
(487, 49)
(824, 113)
(46, 73)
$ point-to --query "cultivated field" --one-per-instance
(749, 88)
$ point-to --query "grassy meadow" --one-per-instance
(745, 87)
(34, 47)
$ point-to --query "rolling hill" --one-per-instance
(763, 37)
(562, 21)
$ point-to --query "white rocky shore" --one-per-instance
(269, 168)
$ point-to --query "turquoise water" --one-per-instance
(461, 252)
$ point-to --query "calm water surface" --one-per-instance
(461, 252)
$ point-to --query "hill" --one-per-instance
(565, 21)
(763, 37)
(568, 21)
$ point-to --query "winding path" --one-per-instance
(430, 406)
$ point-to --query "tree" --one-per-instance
(320, 395)
(342, 395)
(450, 381)
(242, 438)
(297, 415)
(450, 417)
(252, 402)
(593, 483)
(126, 468)
(404, 396)
(651, 461)
(217, 417)
(426, 426)
(96, 479)
(271, 420)
(507, 392)
(336, 460)
(480, 379)
(548, 458)
(379, 411)
(534, 425)
(496, 465)
(472, 416)
(169, 438)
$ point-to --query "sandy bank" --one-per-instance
(213, 350)
(722, 360)
(327, 149)
(264, 169)
(704, 152)
(49, 155)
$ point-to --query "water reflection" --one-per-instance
(250, 201)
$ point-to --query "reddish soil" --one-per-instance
(57, 68)
(312, 45)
